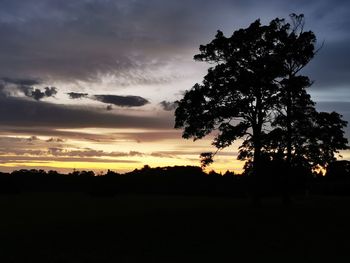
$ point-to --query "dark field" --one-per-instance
(73, 227)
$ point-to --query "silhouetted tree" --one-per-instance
(255, 85)
(82, 173)
(229, 174)
(239, 93)
(302, 132)
(297, 50)
(317, 139)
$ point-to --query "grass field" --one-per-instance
(55, 227)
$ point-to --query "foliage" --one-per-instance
(255, 85)
(238, 94)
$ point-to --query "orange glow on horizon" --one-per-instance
(120, 166)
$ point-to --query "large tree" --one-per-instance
(255, 91)
(239, 93)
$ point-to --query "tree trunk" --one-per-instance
(257, 129)
(257, 170)
(286, 187)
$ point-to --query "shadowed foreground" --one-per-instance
(73, 227)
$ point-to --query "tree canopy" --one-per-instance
(254, 91)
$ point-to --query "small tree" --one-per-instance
(302, 132)
(316, 138)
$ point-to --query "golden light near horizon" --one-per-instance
(118, 150)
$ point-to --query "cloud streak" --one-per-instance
(122, 101)
(11, 87)
(21, 112)
(77, 95)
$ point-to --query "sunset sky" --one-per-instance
(90, 84)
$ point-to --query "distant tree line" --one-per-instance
(183, 180)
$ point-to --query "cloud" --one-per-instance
(80, 40)
(97, 137)
(134, 40)
(122, 101)
(50, 91)
(151, 136)
(27, 145)
(21, 81)
(11, 87)
(19, 112)
(33, 138)
(43, 159)
(168, 106)
(77, 95)
(33, 145)
(330, 68)
(55, 140)
(90, 153)
(37, 94)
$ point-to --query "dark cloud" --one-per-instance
(122, 101)
(38, 94)
(77, 95)
(331, 66)
(21, 112)
(50, 91)
(55, 140)
(168, 106)
(342, 107)
(21, 82)
(151, 136)
(77, 40)
(67, 40)
(90, 153)
(11, 86)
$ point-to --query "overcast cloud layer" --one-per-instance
(79, 39)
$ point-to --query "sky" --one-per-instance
(90, 84)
